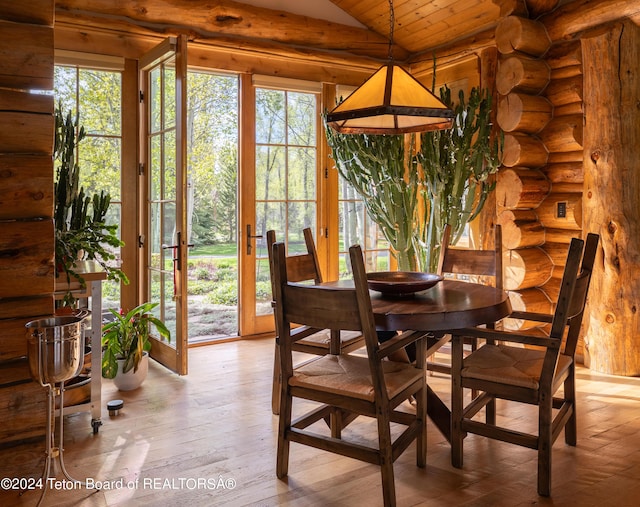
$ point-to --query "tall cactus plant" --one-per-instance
(456, 165)
(412, 193)
(376, 168)
(80, 226)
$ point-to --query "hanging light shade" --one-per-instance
(391, 101)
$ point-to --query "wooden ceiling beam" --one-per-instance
(581, 15)
(204, 20)
(222, 54)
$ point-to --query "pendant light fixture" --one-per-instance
(391, 101)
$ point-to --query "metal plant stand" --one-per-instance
(56, 349)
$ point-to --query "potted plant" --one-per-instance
(411, 190)
(81, 231)
(125, 344)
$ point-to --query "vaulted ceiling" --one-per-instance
(419, 25)
(422, 25)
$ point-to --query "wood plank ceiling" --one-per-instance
(423, 25)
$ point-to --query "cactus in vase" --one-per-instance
(412, 193)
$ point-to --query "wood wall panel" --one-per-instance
(612, 195)
(527, 300)
(34, 306)
(521, 188)
(26, 189)
(526, 268)
(25, 132)
(563, 133)
(26, 53)
(518, 34)
(26, 258)
(24, 101)
(548, 211)
(27, 404)
(523, 150)
(520, 229)
(39, 12)
(26, 206)
(13, 338)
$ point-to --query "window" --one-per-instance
(94, 95)
(356, 227)
(286, 174)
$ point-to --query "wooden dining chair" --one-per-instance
(305, 267)
(481, 266)
(525, 374)
(364, 384)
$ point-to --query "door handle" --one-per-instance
(177, 260)
(250, 237)
(177, 256)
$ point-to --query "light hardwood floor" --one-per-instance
(215, 425)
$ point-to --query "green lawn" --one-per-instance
(222, 250)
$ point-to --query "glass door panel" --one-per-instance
(212, 214)
(285, 171)
(164, 71)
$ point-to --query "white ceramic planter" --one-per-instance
(130, 380)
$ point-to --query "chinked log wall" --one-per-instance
(26, 206)
(539, 188)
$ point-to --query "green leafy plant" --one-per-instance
(127, 337)
(80, 220)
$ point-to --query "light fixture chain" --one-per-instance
(391, 23)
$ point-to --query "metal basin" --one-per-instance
(55, 348)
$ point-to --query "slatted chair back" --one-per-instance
(567, 317)
(575, 309)
(466, 261)
(479, 266)
(301, 267)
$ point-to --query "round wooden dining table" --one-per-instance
(449, 305)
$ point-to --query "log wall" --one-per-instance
(26, 206)
(539, 188)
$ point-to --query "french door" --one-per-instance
(280, 185)
(163, 98)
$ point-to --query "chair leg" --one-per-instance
(386, 458)
(284, 424)
(336, 422)
(545, 443)
(277, 379)
(421, 441)
(490, 412)
(457, 394)
(570, 429)
(475, 392)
